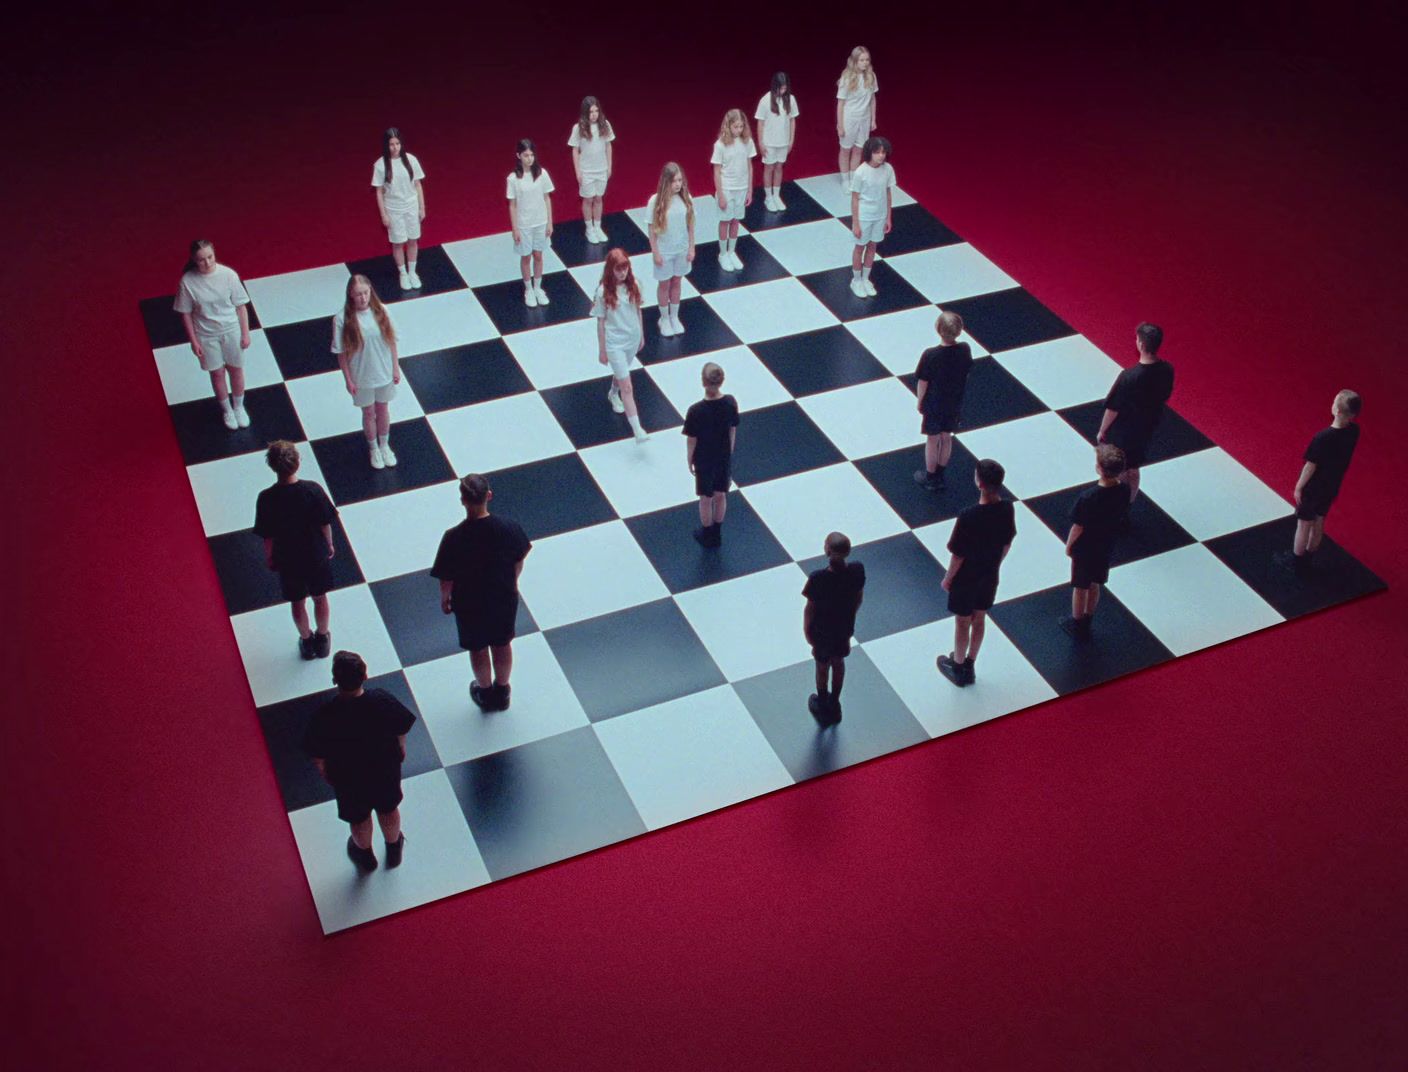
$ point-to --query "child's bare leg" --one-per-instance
(706, 510)
(855, 157)
(537, 266)
(932, 453)
(398, 254)
(525, 264)
(503, 663)
(483, 669)
(382, 411)
(857, 258)
(300, 617)
(362, 833)
(945, 447)
(322, 613)
(869, 255)
(723, 230)
(662, 294)
(369, 421)
(676, 284)
(1131, 479)
(720, 505)
(843, 161)
(821, 677)
(217, 381)
(412, 249)
(390, 824)
(975, 638)
(236, 381)
(962, 630)
(733, 230)
(586, 210)
(1080, 599)
(1317, 532)
(838, 675)
(1093, 599)
(596, 210)
(628, 396)
(1302, 540)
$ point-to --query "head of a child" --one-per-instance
(838, 549)
(712, 376)
(1148, 338)
(282, 457)
(349, 671)
(1346, 407)
(989, 475)
(734, 127)
(591, 112)
(526, 158)
(475, 494)
(877, 151)
(391, 143)
(201, 257)
(1109, 461)
(949, 326)
(617, 272)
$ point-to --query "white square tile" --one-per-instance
(295, 296)
(706, 210)
(803, 248)
(745, 377)
(949, 273)
(326, 409)
(770, 310)
(440, 321)
(1041, 453)
(491, 259)
(495, 435)
(869, 418)
(640, 477)
(898, 198)
(396, 534)
(835, 196)
(690, 756)
(1062, 372)
(543, 703)
(1037, 559)
(183, 380)
(1210, 494)
(268, 644)
(588, 277)
(898, 339)
(440, 857)
(1006, 681)
(586, 573)
(801, 510)
(751, 624)
(226, 489)
(558, 354)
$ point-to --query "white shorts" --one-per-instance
(365, 396)
(733, 205)
(870, 231)
(221, 351)
(673, 264)
(620, 362)
(533, 240)
(591, 188)
(776, 154)
(404, 226)
(856, 128)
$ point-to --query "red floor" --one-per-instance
(1201, 866)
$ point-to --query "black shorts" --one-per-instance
(298, 584)
(487, 627)
(1089, 569)
(1135, 450)
(976, 593)
(1312, 509)
(356, 801)
(934, 423)
(712, 478)
(831, 648)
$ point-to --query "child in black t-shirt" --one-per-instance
(942, 378)
(833, 594)
(1096, 519)
(1135, 404)
(1326, 460)
(295, 519)
(711, 426)
(981, 538)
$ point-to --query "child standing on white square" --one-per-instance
(400, 198)
(670, 221)
(590, 141)
(777, 129)
(872, 196)
(530, 217)
(620, 333)
(211, 300)
(855, 110)
(364, 341)
(733, 182)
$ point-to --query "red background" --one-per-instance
(1199, 866)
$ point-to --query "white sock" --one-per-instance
(675, 311)
(401, 269)
(239, 401)
(225, 404)
(537, 282)
(372, 444)
(635, 423)
(865, 273)
(855, 273)
(412, 266)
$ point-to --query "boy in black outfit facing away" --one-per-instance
(1326, 460)
(477, 565)
(1096, 519)
(981, 539)
(943, 376)
(833, 594)
(1136, 403)
(295, 518)
(358, 740)
(711, 426)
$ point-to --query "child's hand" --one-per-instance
(602, 357)
(1070, 551)
(947, 583)
(517, 238)
(422, 213)
(351, 387)
(723, 201)
(396, 373)
(548, 232)
(446, 605)
(691, 469)
(1100, 436)
(748, 197)
(888, 224)
(840, 130)
(331, 550)
(198, 350)
(385, 220)
(855, 227)
(244, 340)
(1297, 496)
(690, 255)
(659, 258)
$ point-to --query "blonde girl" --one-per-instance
(211, 300)
(400, 198)
(364, 341)
(855, 110)
(591, 140)
(530, 218)
(620, 333)
(670, 212)
(733, 182)
(777, 128)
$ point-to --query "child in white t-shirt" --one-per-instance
(855, 110)
(364, 341)
(530, 217)
(591, 140)
(733, 182)
(777, 128)
(400, 198)
(670, 218)
(211, 300)
(620, 333)
(872, 190)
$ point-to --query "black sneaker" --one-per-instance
(394, 851)
(702, 535)
(814, 705)
(1297, 564)
(499, 694)
(322, 644)
(952, 670)
(929, 481)
(1076, 628)
(365, 859)
(481, 697)
(970, 672)
(716, 534)
(308, 647)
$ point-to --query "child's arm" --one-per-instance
(420, 197)
(808, 616)
(719, 185)
(654, 238)
(791, 132)
(395, 363)
(346, 367)
(760, 131)
(689, 444)
(1105, 422)
(327, 538)
(921, 388)
(1307, 471)
(447, 590)
(547, 205)
(242, 311)
(608, 159)
(840, 117)
(689, 256)
(874, 111)
(732, 438)
(577, 163)
(640, 329)
(889, 206)
(381, 206)
(513, 220)
(401, 744)
(1071, 539)
(601, 339)
(955, 563)
(855, 213)
(196, 347)
(518, 566)
(748, 194)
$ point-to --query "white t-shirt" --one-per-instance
(529, 193)
(400, 192)
(622, 322)
(675, 239)
(777, 128)
(593, 150)
(871, 183)
(211, 300)
(371, 365)
(858, 99)
(734, 159)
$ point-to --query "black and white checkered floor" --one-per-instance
(655, 680)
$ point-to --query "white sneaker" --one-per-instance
(777, 201)
(405, 280)
(415, 279)
(530, 296)
(858, 287)
(771, 202)
(377, 461)
(737, 264)
(598, 235)
(388, 458)
(679, 328)
(869, 287)
(614, 397)
(241, 417)
(542, 295)
(642, 436)
(666, 327)
(228, 416)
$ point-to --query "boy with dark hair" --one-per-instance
(1136, 404)
(357, 740)
(295, 519)
(981, 539)
(833, 595)
(711, 428)
(1096, 519)
(942, 379)
(1326, 461)
(477, 565)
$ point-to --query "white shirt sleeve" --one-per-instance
(512, 187)
(764, 107)
(416, 173)
(183, 303)
(599, 304)
(752, 148)
(378, 180)
(796, 108)
(238, 295)
(718, 157)
(575, 138)
(547, 182)
(337, 333)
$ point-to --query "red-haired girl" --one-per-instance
(620, 333)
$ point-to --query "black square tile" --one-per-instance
(249, 584)
(1173, 437)
(284, 725)
(779, 441)
(1337, 577)
(892, 475)
(801, 208)
(903, 585)
(585, 415)
(633, 659)
(419, 630)
(569, 240)
(163, 323)
(504, 303)
(667, 538)
(874, 720)
(1151, 531)
(1007, 319)
(201, 431)
(304, 348)
(543, 802)
(705, 331)
(993, 395)
(437, 275)
(350, 478)
(833, 289)
(913, 228)
(759, 266)
(550, 496)
(815, 361)
(464, 375)
(1120, 644)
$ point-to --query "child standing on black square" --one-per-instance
(1326, 461)
(833, 594)
(711, 428)
(1096, 519)
(1136, 402)
(942, 379)
(981, 539)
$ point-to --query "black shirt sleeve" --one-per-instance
(1315, 452)
(442, 568)
(1009, 528)
(960, 543)
(395, 716)
(263, 523)
(732, 412)
(521, 543)
(326, 511)
(691, 421)
(315, 736)
(1117, 399)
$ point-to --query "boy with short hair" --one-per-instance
(1097, 516)
(295, 519)
(833, 595)
(981, 539)
(872, 195)
(1326, 461)
(942, 379)
(1136, 404)
(711, 428)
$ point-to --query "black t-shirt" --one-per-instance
(980, 535)
(1330, 450)
(356, 736)
(946, 370)
(1138, 396)
(292, 516)
(709, 421)
(1099, 511)
(833, 595)
(479, 556)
